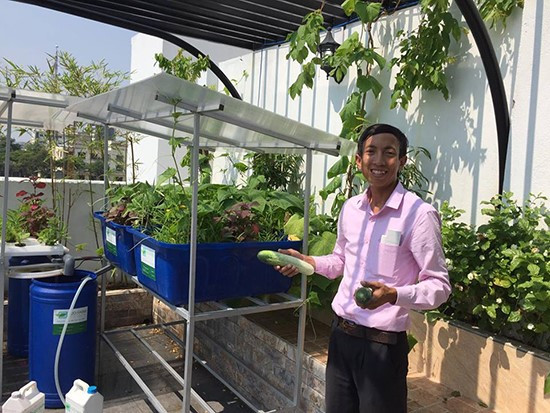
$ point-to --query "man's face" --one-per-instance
(380, 161)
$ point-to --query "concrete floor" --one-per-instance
(122, 394)
(120, 391)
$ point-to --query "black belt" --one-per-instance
(372, 334)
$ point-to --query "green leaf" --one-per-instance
(348, 6)
(169, 173)
(366, 83)
(547, 384)
(80, 247)
(321, 282)
(368, 12)
(533, 269)
(504, 283)
(477, 309)
(339, 167)
(295, 226)
(492, 311)
(514, 317)
(322, 245)
(332, 187)
(432, 316)
(351, 107)
(412, 341)
(313, 298)
(240, 166)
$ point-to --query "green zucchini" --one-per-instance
(276, 258)
(362, 296)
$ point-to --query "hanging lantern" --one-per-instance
(326, 49)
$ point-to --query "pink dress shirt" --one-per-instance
(399, 246)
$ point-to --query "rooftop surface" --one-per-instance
(123, 395)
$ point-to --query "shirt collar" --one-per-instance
(393, 202)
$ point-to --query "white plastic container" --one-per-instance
(27, 400)
(83, 398)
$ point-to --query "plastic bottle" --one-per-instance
(83, 398)
(27, 400)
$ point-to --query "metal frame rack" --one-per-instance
(213, 120)
(32, 110)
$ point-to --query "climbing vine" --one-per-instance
(424, 56)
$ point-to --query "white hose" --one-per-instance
(58, 352)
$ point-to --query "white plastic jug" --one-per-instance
(27, 400)
(83, 398)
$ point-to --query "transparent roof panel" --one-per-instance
(163, 104)
(36, 109)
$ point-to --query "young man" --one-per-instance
(388, 240)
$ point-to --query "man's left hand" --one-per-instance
(381, 294)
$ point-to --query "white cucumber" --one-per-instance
(276, 258)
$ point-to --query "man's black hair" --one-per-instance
(383, 128)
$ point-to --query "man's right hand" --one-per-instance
(291, 270)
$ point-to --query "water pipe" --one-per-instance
(60, 343)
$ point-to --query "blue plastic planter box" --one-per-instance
(118, 244)
(223, 270)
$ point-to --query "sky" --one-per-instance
(28, 33)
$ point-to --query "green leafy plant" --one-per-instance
(225, 213)
(53, 232)
(183, 66)
(424, 53)
(33, 218)
(495, 11)
(15, 228)
(281, 172)
(421, 65)
(411, 175)
(64, 75)
(501, 271)
(238, 223)
(32, 208)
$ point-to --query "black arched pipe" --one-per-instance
(494, 77)
(130, 25)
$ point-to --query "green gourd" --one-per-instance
(276, 258)
(362, 296)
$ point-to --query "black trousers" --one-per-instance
(363, 376)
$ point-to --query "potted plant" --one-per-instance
(117, 241)
(35, 227)
(234, 224)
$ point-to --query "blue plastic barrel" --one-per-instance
(50, 300)
(18, 308)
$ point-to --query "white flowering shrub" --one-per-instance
(500, 272)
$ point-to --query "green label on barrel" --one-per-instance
(110, 240)
(148, 262)
(77, 322)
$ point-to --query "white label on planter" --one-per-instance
(148, 262)
(110, 238)
(77, 322)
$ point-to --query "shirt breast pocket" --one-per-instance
(387, 259)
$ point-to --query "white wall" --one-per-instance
(459, 133)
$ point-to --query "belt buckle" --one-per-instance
(348, 325)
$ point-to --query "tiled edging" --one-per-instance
(263, 365)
